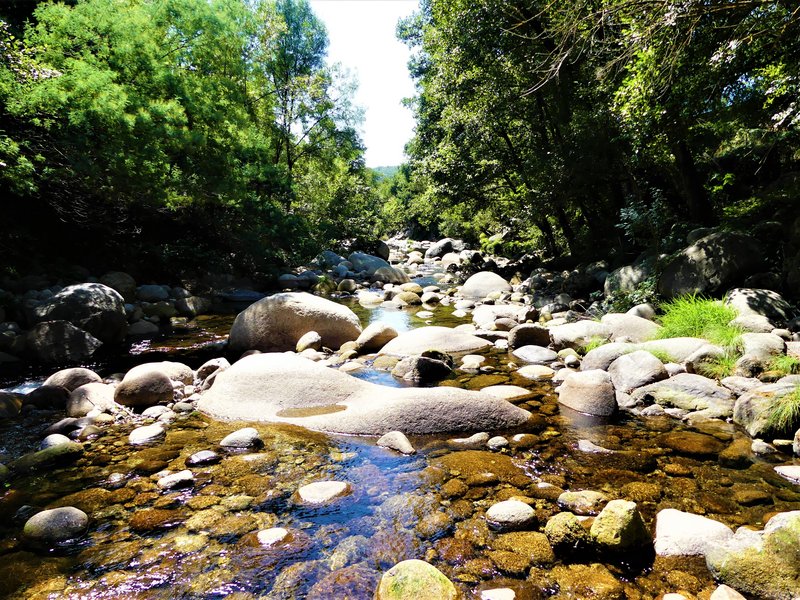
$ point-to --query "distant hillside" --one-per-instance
(385, 172)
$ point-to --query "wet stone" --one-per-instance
(691, 444)
(246, 437)
(56, 525)
(751, 497)
(323, 492)
(203, 458)
(585, 502)
(152, 519)
(181, 479)
(510, 514)
(147, 434)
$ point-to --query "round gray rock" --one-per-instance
(685, 534)
(535, 354)
(93, 307)
(631, 371)
(484, 283)
(145, 388)
(89, 397)
(56, 525)
(72, 378)
(444, 339)
(278, 322)
(246, 437)
(375, 336)
(510, 514)
(589, 392)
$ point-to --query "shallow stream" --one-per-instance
(199, 542)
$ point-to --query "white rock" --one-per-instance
(247, 437)
(396, 440)
(322, 492)
(510, 514)
(790, 472)
(686, 534)
(183, 478)
(270, 537)
(147, 434)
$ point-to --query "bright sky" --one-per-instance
(362, 38)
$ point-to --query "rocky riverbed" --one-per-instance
(519, 465)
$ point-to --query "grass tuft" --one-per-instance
(593, 343)
(784, 365)
(662, 355)
(695, 316)
(719, 367)
(785, 413)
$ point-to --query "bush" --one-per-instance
(696, 316)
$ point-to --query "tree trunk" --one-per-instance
(700, 209)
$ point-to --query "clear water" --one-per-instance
(199, 542)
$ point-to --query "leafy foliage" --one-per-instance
(125, 125)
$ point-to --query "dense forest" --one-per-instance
(212, 134)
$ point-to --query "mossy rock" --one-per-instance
(414, 579)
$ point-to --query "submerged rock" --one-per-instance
(396, 440)
(589, 392)
(413, 580)
(510, 514)
(761, 563)
(619, 527)
(56, 525)
(323, 492)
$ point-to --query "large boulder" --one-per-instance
(72, 378)
(688, 392)
(93, 307)
(444, 339)
(712, 265)
(484, 283)
(122, 282)
(767, 303)
(366, 262)
(57, 525)
(634, 370)
(277, 322)
(630, 328)
(277, 387)
(761, 564)
(58, 342)
(753, 409)
(683, 349)
(589, 392)
(602, 356)
(579, 334)
(89, 397)
(626, 279)
(389, 274)
(176, 371)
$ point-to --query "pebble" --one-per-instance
(246, 437)
(147, 434)
(475, 440)
(204, 457)
(180, 479)
(396, 440)
(510, 514)
(154, 412)
(584, 502)
(592, 448)
(498, 594)
(322, 492)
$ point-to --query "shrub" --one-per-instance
(695, 316)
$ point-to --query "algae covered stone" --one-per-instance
(619, 527)
(415, 579)
(56, 525)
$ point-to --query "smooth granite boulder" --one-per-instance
(276, 322)
(290, 389)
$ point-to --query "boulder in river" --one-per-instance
(56, 525)
(484, 283)
(415, 579)
(277, 322)
(57, 342)
(444, 339)
(72, 378)
(685, 534)
(93, 307)
(589, 392)
(278, 387)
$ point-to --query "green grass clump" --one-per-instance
(719, 367)
(662, 355)
(784, 365)
(593, 343)
(695, 316)
(785, 413)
